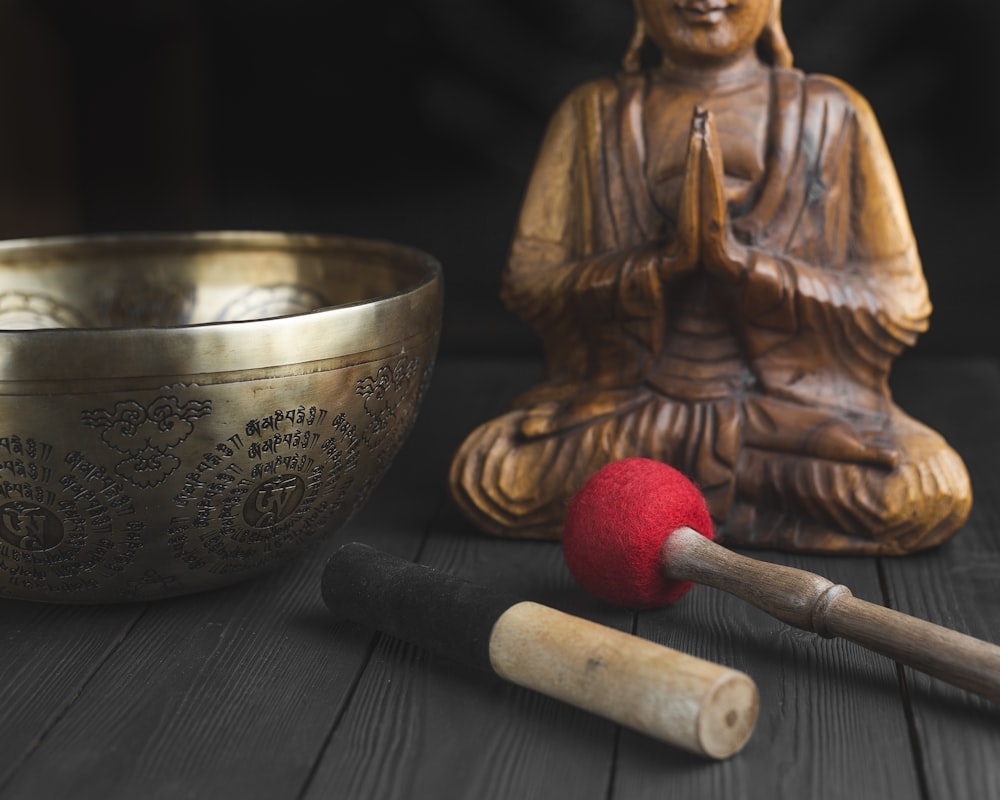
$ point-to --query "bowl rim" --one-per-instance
(338, 330)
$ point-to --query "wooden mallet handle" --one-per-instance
(816, 604)
(685, 701)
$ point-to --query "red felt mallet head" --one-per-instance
(616, 526)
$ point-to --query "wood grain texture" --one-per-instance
(42, 675)
(199, 690)
(421, 726)
(826, 706)
(814, 603)
(959, 584)
(687, 702)
(425, 727)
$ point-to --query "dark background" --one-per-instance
(418, 121)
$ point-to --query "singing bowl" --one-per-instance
(180, 412)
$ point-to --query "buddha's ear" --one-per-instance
(632, 61)
(772, 43)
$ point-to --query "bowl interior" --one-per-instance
(193, 279)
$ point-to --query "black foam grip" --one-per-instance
(413, 602)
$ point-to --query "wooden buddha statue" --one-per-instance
(718, 260)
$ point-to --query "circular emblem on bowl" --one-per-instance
(30, 527)
(274, 501)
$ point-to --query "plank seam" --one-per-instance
(359, 675)
(613, 769)
(71, 699)
(904, 694)
(339, 717)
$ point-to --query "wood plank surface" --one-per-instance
(957, 585)
(818, 696)
(257, 691)
(200, 689)
(826, 705)
(426, 727)
(41, 676)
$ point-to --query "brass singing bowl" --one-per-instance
(180, 412)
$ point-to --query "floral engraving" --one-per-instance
(145, 435)
(389, 403)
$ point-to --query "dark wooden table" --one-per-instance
(258, 692)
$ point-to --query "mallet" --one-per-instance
(679, 699)
(638, 535)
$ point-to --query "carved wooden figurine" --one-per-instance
(717, 257)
